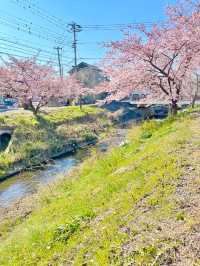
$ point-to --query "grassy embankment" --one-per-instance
(36, 139)
(129, 206)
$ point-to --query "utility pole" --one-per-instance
(59, 50)
(74, 28)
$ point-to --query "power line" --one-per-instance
(26, 54)
(36, 10)
(49, 34)
(31, 28)
(24, 42)
(13, 26)
(94, 58)
(29, 31)
(29, 25)
(119, 26)
(22, 56)
(19, 45)
(51, 62)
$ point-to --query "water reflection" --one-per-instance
(27, 183)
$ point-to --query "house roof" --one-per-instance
(83, 65)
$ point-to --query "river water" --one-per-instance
(27, 183)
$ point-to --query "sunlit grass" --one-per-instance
(36, 139)
(90, 215)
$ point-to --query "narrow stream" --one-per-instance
(26, 183)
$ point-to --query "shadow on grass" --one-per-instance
(44, 123)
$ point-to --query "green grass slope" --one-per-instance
(36, 139)
(128, 207)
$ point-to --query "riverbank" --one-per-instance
(137, 204)
(54, 132)
(15, 189)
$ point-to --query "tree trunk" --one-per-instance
(174, 108)
(196, 92)
(28, 105)
(81, 103)
(35, 111)
(194, 100)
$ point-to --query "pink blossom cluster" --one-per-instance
(34, 85)
(161, 60)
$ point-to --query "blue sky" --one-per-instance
(43, 25)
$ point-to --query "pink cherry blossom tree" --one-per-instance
(33, 85)
(75, 89)
(160, 60)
